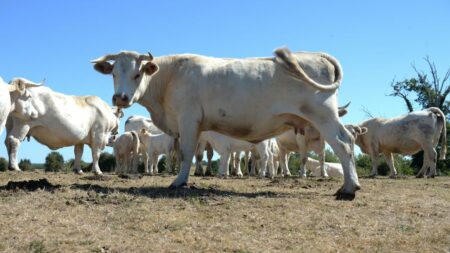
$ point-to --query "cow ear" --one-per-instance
(150, 68)
(361, 130)
(342, 112)
(103, 67)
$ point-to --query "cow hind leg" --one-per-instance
(199, 159)
(78, 150)
(341, 142)
(390, 162)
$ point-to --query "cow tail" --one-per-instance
(290, 63)
(441, 117)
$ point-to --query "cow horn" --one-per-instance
(144, 57)
(345, 106)
(108, 57)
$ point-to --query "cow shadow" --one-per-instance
(155, 192)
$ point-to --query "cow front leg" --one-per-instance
(188, 141)
(78, 150)
(341, 142)
(95, 156)
(12, 145)
(390, 163)
(224, 164)
(375, 163)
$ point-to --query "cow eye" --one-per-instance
(136, 76)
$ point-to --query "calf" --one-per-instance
(332, 169)
(126, 151)
(155, 145)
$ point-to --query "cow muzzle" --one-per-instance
(121, 100)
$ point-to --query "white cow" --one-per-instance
(250, 99)
(63, 121)
(406, 135)
(225, 145)
(15, 99)
(332, 169)
(126, 150)
(155, 145)
(302, 141)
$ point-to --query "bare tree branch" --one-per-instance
(367, 112)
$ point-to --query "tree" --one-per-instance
(3, 164)
(54, 162)
(426, 93)
(107, 162)
(25, 165)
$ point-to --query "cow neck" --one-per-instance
(156, 85)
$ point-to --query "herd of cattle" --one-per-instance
(267, 106)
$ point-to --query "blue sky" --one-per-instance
(375, 41)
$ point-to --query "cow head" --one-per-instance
(131, 73)
(22, 99)
(356, 131)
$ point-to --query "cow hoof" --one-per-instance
(78, 172)
(431, 176)
(208, 173)
(393, 176)
(372, 176)
(240, 175)
(15, 169)
(177, 187)
(419, 176)
(341, 195)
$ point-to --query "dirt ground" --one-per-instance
(71, 213)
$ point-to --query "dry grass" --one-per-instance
(112, 214)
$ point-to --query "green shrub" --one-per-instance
(3, 164)
(25, 165)
(54, 162)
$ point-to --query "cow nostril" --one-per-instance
(124, 97)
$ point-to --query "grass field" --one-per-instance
(113, 214)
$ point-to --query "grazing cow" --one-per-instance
(250, 99)
(332, 169)
(15, 99)
(63, 121)
(126, 151)
(225, 146)
(302, 141)
(155, 145)
(406, 135)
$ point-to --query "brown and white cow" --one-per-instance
(406, 135)
(249, 99)
(63, 121)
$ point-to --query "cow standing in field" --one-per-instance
(15, 99)
(406, 135)
(126, 150)
(63, 121)
(302, 141)
(154, 146)
(250, 99)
